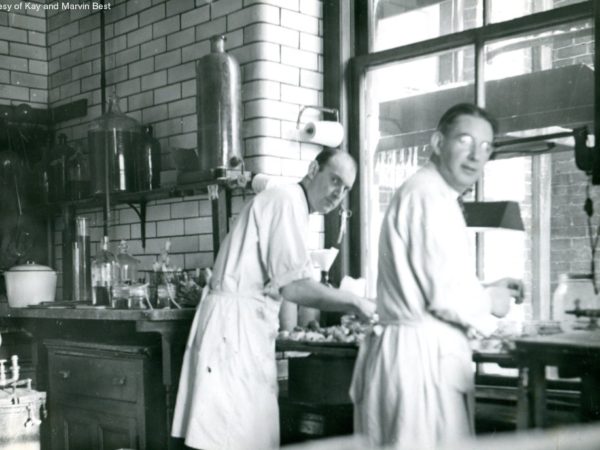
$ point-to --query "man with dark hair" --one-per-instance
(413, 379)
(227, 395)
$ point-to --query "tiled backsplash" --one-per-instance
(151, 49)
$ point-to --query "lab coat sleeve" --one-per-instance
(439, 251)
(282, 242)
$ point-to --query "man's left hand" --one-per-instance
(513, 285)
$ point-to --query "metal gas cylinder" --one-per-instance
(120, 137)
(219, 106)
(21, 414)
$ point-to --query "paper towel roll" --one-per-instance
(328, 133)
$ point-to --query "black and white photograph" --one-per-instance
(299, 224)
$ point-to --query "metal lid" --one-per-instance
(25, 396)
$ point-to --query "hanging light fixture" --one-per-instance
(490, 215)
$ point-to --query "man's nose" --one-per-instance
(477, 152)
(340, 191)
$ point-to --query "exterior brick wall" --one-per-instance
(151, 49)
(570, 241)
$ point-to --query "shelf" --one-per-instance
(233, 179)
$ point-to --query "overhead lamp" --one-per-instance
(491, 215)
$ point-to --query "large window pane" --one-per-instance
(540, 84)
(401, 22)
(500, 10)
(404, 101)
(509, 252)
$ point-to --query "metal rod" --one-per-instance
(106, 206)
(595, 155)
(333, 111)
(541, 137)
(102, 61)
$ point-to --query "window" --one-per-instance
(398, 22)
(535, 74)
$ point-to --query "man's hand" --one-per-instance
(501, 292)
(365, 309)
(514, 287)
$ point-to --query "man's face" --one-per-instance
(463, 151)
(328, 186)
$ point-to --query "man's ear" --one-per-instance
(436, 141)
(313, 168)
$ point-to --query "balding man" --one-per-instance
(227, 394)
(413, 381)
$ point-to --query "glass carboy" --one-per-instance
(114, 142)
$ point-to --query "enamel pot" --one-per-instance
(30, 284)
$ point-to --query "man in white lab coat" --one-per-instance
(227, 397)
(413, 380)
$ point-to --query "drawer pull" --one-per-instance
(121, 381)
(64, 374)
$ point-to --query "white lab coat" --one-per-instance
(413, 382)
(227, 397)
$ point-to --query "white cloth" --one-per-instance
(227, 396)
(413, 383)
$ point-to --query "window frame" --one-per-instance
(477, 37)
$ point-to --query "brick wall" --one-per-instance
(569, 244)
(23, 56)
(151, 47)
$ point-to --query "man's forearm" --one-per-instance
(308, 292)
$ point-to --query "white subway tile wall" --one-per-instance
(52, 57)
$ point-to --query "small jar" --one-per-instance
(573, 291)
(78, 176)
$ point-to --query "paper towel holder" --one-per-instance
(323, 109)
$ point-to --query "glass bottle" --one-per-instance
(114, 142)
(150, 163)
(104, 269)
(127, 265)
(78, 176)
(82, 269)
(573, 291)
(57, 169)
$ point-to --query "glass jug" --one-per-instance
(114, 142)
(573, 290)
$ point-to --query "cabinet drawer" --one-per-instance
(94, 376)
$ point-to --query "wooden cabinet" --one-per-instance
(104, 397)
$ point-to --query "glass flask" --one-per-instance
(104, 275)
(127, 265)
(114, 142)
(57, 169)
